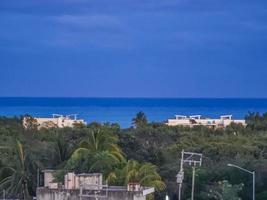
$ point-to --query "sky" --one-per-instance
(133, 48)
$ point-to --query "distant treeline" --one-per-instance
(148, 153)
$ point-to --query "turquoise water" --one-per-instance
(122, 110)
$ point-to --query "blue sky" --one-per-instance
(133, 48)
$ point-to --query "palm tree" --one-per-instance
(17, 181)
(140, 120)
(62, 149)
(99, 153)
(145, 174)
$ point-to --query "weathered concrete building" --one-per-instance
(88, 187)
(110, 193)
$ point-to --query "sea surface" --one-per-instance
(122, 110)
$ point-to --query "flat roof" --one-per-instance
(89, 174)
(48, 170)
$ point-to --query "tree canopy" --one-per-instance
(148, 153)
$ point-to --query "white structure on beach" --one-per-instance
(57, 121)
(198, 120)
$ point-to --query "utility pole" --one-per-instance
(38, 177)
(194, 160)
(193, 182)
(253, 174)
(180, 175)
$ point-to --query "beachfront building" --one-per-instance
(56, 121)
(198, 120)
(88, 187)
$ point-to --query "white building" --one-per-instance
(198, 120)
(57, 121)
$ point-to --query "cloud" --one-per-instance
(31, 31)
(104, 31)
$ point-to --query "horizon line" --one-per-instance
(69, 97)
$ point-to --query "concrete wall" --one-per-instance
(49, 179)
(87, 181)
(176, 122)
(204, 122)
(52, 194)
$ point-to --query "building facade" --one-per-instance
(57, 121)
(198, 120)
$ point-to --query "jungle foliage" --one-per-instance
(148, 153)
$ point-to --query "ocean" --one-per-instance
(122, 110)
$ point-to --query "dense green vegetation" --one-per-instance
(147, 152)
